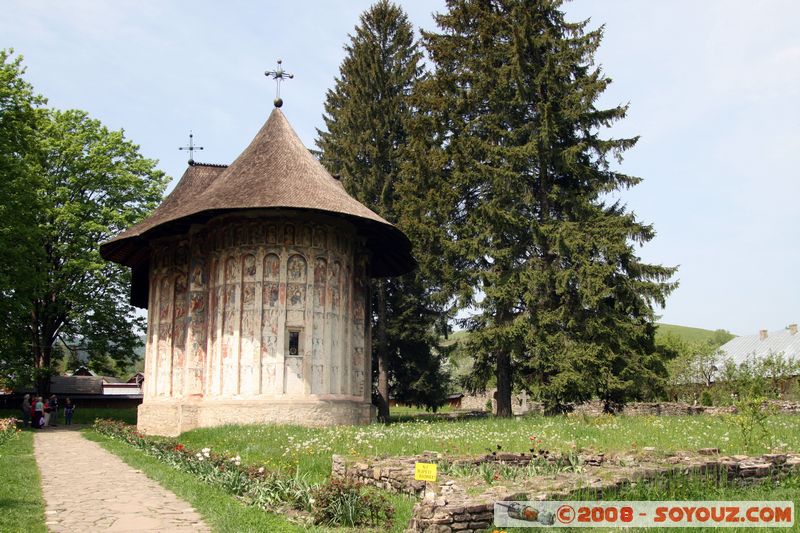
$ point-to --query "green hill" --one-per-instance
(693, 335)
(453, 338)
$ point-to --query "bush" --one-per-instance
(343, 502)
(705, 399)
(8, 429)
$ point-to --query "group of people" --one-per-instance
(39, 413)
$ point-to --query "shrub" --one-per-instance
(751, 419)
(343, 502)
(8, 429)
(705, 399)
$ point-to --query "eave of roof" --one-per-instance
(275, 171)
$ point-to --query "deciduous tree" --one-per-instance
(80, 184)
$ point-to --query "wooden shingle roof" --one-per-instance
(275, 171)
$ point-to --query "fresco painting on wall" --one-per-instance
(180, 325)
(319, 237)
(272, 267)
(288, 234)
(230, 329)
(296, 268)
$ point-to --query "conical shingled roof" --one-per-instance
(274, 171)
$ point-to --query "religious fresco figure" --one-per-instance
(249, 265)
(198, 302)
(230, 269)
(320, 269)
(272, 267)
(297, 297)
(319, 297)
(306, 238)
(180, 284)
(198, 280)
(288, 234)
(248, 294)
(319, 237)
(248, 324)
(270, 294)
(297, 268)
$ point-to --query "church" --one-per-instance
(256, 279)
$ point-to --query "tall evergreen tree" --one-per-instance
(366, 116)
(520, 202)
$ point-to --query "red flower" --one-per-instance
(179, 447)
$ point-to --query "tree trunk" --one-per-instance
(41, 352)
(503, 384)
(382, 349)
(44, 370)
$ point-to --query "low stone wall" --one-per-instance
(521, 405)
(395, 474)
(456, 505)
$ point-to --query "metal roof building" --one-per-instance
(785, 341)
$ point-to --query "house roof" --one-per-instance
(785, 341)
(275, 171)
(66, 385)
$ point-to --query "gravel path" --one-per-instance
(89, 489)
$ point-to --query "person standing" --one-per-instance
(53, 410)
(46, 412)
(38, 413)
(69, 408)
(26, 410)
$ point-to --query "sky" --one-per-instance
(713, 88)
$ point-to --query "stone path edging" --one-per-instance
(89, 489)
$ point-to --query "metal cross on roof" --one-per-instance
(278, 75)
(191, 148)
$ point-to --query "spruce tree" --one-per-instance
(366, 115)
(519, 180)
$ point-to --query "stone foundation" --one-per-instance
(466, 504)
(521, 404)
(171, 418)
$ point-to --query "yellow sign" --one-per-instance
(425, 471)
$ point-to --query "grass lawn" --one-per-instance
(21, 503)
(310, 449)
(86, 415)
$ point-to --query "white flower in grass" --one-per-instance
(261, 470)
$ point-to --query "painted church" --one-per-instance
(255, 277)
